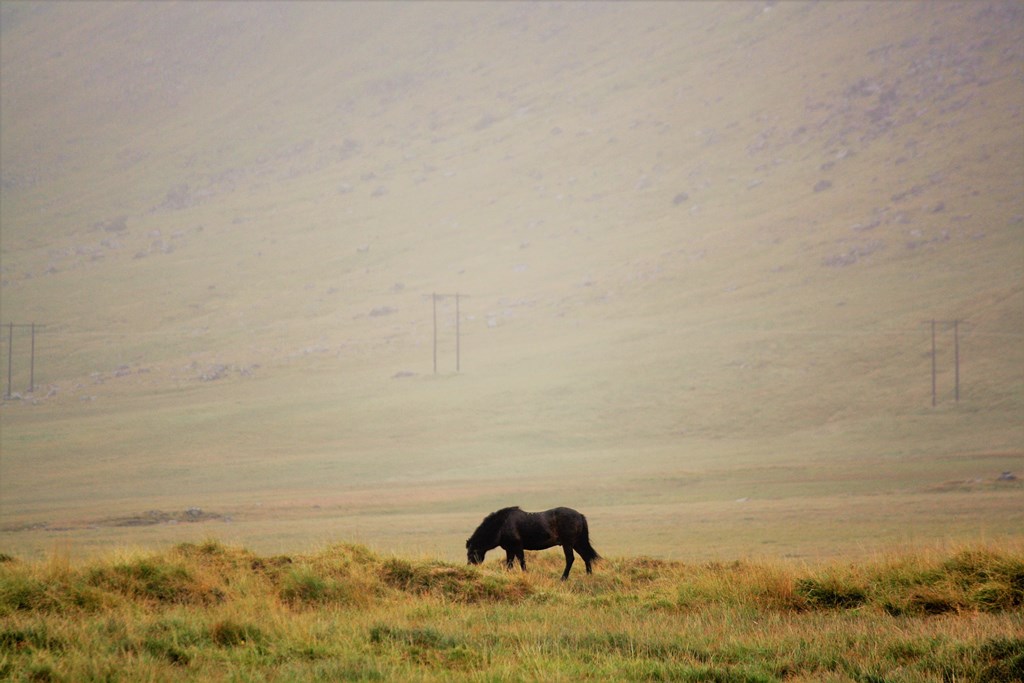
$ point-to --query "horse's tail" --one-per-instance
(586, 550)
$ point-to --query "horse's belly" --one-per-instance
(540, 544)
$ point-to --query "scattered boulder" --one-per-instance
(119, 224)
(214, 373)
(178, 197)
(912, 192)
(853, 255)
(486, 121)
(822, 185)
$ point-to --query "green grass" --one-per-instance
(346, 612)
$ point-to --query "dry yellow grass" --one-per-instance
(206, 611)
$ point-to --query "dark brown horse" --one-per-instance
(516, 531)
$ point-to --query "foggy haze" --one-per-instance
(697, 249)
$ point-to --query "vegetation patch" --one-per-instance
(426, 646)
(155, 579)
(175, 641)
(830, 593)
(36, 637)
(212, 551)
(24, 592)
(270, 566)
(303, 586)
(229, 633)
(152, 517)
(464, 584)
(981, 580)
(19, 592)
(1000, 659)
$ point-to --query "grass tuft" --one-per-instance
(463, 584)
(830, 592)
(35, 637)
(426, 646)
(155, 579)
(1001, 659)
(229, 633)
(304, 587)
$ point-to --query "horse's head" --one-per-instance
(474, 554)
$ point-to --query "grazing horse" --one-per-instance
(516, 531)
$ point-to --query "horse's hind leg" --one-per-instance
(587, 552)
(569, 558)
(586, 560)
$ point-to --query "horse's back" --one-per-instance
(556, 526)
(563, 515)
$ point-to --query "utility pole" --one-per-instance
(934, 400)
(10, 357)
(32, 363)
(956, 356)
(458, 327)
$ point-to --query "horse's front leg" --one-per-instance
(510, 557)
(522, 558)
(569, 558)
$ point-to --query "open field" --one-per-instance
(698, 247)
(205, 611)
(741, 281)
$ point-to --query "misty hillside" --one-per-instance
(688, 239)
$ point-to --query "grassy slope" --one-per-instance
(209, 612)
(650, 360)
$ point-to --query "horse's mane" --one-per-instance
(489, 528)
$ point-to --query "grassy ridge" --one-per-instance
(208, 611)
